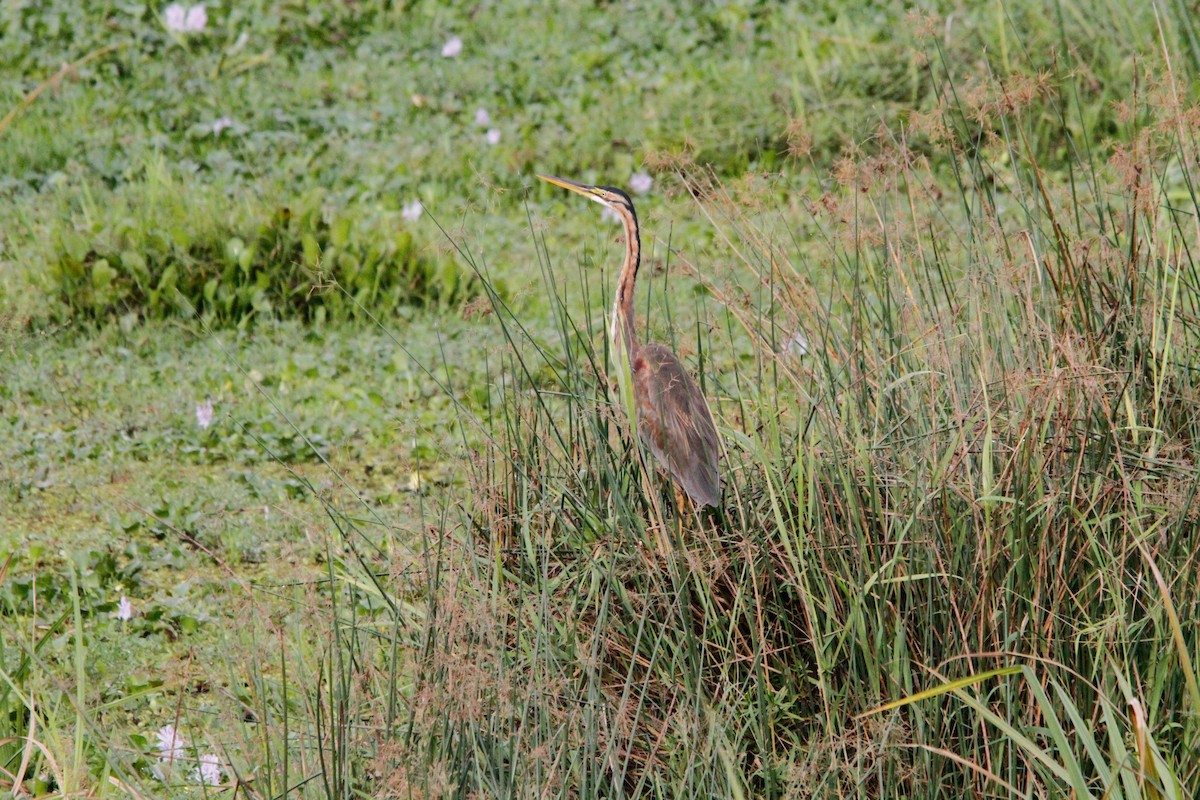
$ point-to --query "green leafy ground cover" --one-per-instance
(413, 555)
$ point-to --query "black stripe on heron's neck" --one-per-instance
(628, 277)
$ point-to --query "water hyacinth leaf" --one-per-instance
(403, 245)
(74, 246)
(234, 247)
(261, 303)
(348, 267)
(103, 275)
(166, 283)
(339, 231)
(181, 236)
(245, 259)
(134, 263)
(312, 250)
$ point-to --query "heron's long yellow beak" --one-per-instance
(578, 188)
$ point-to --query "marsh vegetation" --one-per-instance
(312, 479)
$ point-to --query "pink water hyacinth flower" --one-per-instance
(171, 748)
(174, 16)
(452, 48)
(208, 771)
(204, 414)
(220, 124)
(411, 212)
(482, 117)
(178, 19)
(124, 609)
(493, 136)
(170, 742)
(640, 182)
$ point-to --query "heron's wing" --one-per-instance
(675, 423)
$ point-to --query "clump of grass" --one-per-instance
(162, 248)
(975, 495)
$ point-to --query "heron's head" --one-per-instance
(614, 198)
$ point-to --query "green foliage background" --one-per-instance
(414, 555)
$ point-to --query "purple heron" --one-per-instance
(673, 419)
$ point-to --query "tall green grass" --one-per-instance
(957, 549)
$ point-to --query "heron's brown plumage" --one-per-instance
(673, 419)
(675, 423)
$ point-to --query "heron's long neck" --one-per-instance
(624, 332)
